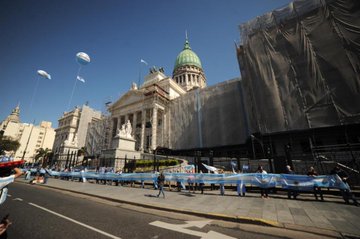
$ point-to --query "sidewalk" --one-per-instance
(305, 214)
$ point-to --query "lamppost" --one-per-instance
(28, 140)
(197, 160)
(154, 163)
(253, 147)
(211, 158)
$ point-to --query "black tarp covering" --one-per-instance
(300, 66)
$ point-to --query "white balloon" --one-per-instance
(44, 74)
(83, 58)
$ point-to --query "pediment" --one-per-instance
(129, 98)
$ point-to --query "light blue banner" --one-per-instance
(286, 181)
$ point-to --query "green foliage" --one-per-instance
(145, 163)
(82, 151)
(43, 154)
(7, 144)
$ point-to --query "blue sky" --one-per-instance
(116, 34)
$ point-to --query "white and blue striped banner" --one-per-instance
(286, 181)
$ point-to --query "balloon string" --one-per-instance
(73, 90)
(34, 93)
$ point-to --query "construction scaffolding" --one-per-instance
(300, 66)
(208, 117)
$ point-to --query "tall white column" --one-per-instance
(119, 122)
(143, 118)
(115, 123)
(164, 130)
(134, 125)
(154, 128)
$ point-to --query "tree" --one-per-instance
(7, 144)
(43, 155)
(82, 151)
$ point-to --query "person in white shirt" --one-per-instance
(4, 181)
(264, 191)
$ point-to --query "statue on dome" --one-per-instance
(134, 86)
(153, 69)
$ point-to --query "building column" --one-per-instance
(168, 127)
(164, 130)
(154, 128)
(143, 118)
(134, 124)
(119, 122)
(126, 118)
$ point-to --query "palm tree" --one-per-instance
(42, 155)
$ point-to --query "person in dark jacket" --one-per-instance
(346, 193)
(317, 189)
(160, 182)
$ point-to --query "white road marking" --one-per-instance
(199, 224)
(74, 221)
(181, 228)
(17, 199)
(9, 195)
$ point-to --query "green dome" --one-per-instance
(187, 57)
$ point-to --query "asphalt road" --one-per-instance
(38, 212)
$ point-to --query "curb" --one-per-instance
(214, 216)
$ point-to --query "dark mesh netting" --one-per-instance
(300, 66)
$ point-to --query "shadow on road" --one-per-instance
(150, 195)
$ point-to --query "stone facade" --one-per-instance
(72, 130)
(31, 137)
(146, 109)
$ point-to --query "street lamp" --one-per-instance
(211, 158)
(27, 143)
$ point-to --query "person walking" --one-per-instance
(160, 182)
(292, 191)
(317, 189)
(201, 184)
(240, 187)
(263, 190)
(346, 193)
